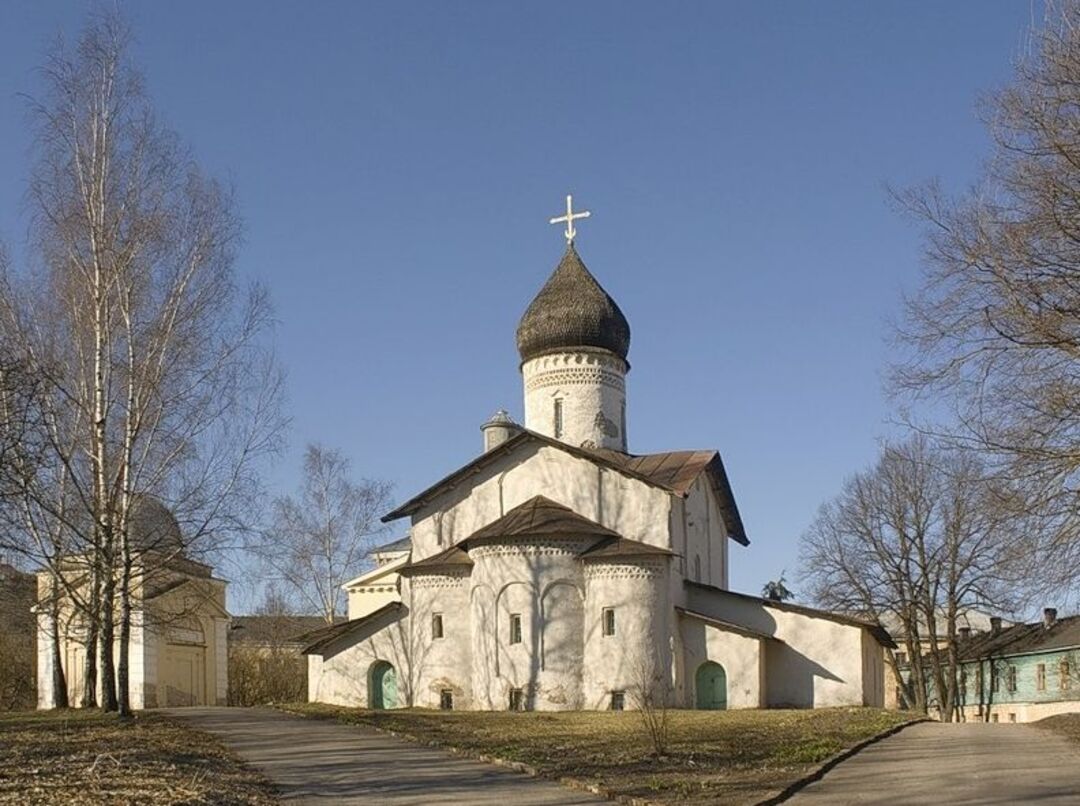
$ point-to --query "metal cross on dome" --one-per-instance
(570, 218)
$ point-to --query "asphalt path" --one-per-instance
(965, 763)
(321, 762)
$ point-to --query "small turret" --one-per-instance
(498, 429)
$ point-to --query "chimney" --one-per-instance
(1049, 617)
(965, 633)
(498, 430)
(995, 625)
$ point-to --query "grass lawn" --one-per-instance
(88, 757)
(728, 757)
(1068, 725)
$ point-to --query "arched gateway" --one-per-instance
(383, 692)
(710, 683)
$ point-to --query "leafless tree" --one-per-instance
(157, 381)
(912, 542)
(651, 695)
(320, 538)
(995, 329)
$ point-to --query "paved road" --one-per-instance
(955, 764)
(319, 762)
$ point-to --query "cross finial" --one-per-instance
(570, 218)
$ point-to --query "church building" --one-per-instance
(559, 571)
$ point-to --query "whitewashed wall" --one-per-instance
(742, 656)
(541, 580)
(592, 387)
(632, 508)
(637, 589)
(438, 664)
(819, 663)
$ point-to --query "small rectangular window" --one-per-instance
(517, 699)
(446, 699)
(1063, 676)
(1040, 677)
(618, 700)
(436, 625)
(515, 628)
(993, 717)
(1012, 717)
(1012, 678)
(558, 418)
(608, 620)
(901, 658)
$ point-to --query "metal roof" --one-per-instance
(673, 471)
(1023, 639)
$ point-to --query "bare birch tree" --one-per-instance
(914, 541)
(156, 374)
(995, 329)
(320, 538)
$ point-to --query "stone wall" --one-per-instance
(591, 386)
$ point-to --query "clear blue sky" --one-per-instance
(395, 164)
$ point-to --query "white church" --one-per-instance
(559, 571)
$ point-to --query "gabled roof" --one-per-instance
(540, 516)
(377, 572)
(317, 640)
(738, 629)
(673, 471)
(622, 547)
(1023, 639)
(876, 630)
(199, 585)
(285, 629)
(453, 557)
(402, 544)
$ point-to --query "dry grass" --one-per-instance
(715, 757)
(1068, 725)
(87, 757)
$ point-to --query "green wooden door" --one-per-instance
(711, 687)
(383, 686)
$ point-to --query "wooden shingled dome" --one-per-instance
(572, 311)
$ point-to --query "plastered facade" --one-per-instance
(590, 386)
(186, 625)
(527, 618)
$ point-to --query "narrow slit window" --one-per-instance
(515, 628)
(517, 699)
(558, 417)
(436, 625)
(1040, 677)
(608, 619)
(1063, 673)
(618, 700)
(446, 699)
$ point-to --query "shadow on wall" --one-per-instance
(790, 677)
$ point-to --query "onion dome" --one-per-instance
(572, 311)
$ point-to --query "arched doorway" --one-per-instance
(383, 686)
(710, 684)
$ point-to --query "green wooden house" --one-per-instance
(1021, 673)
